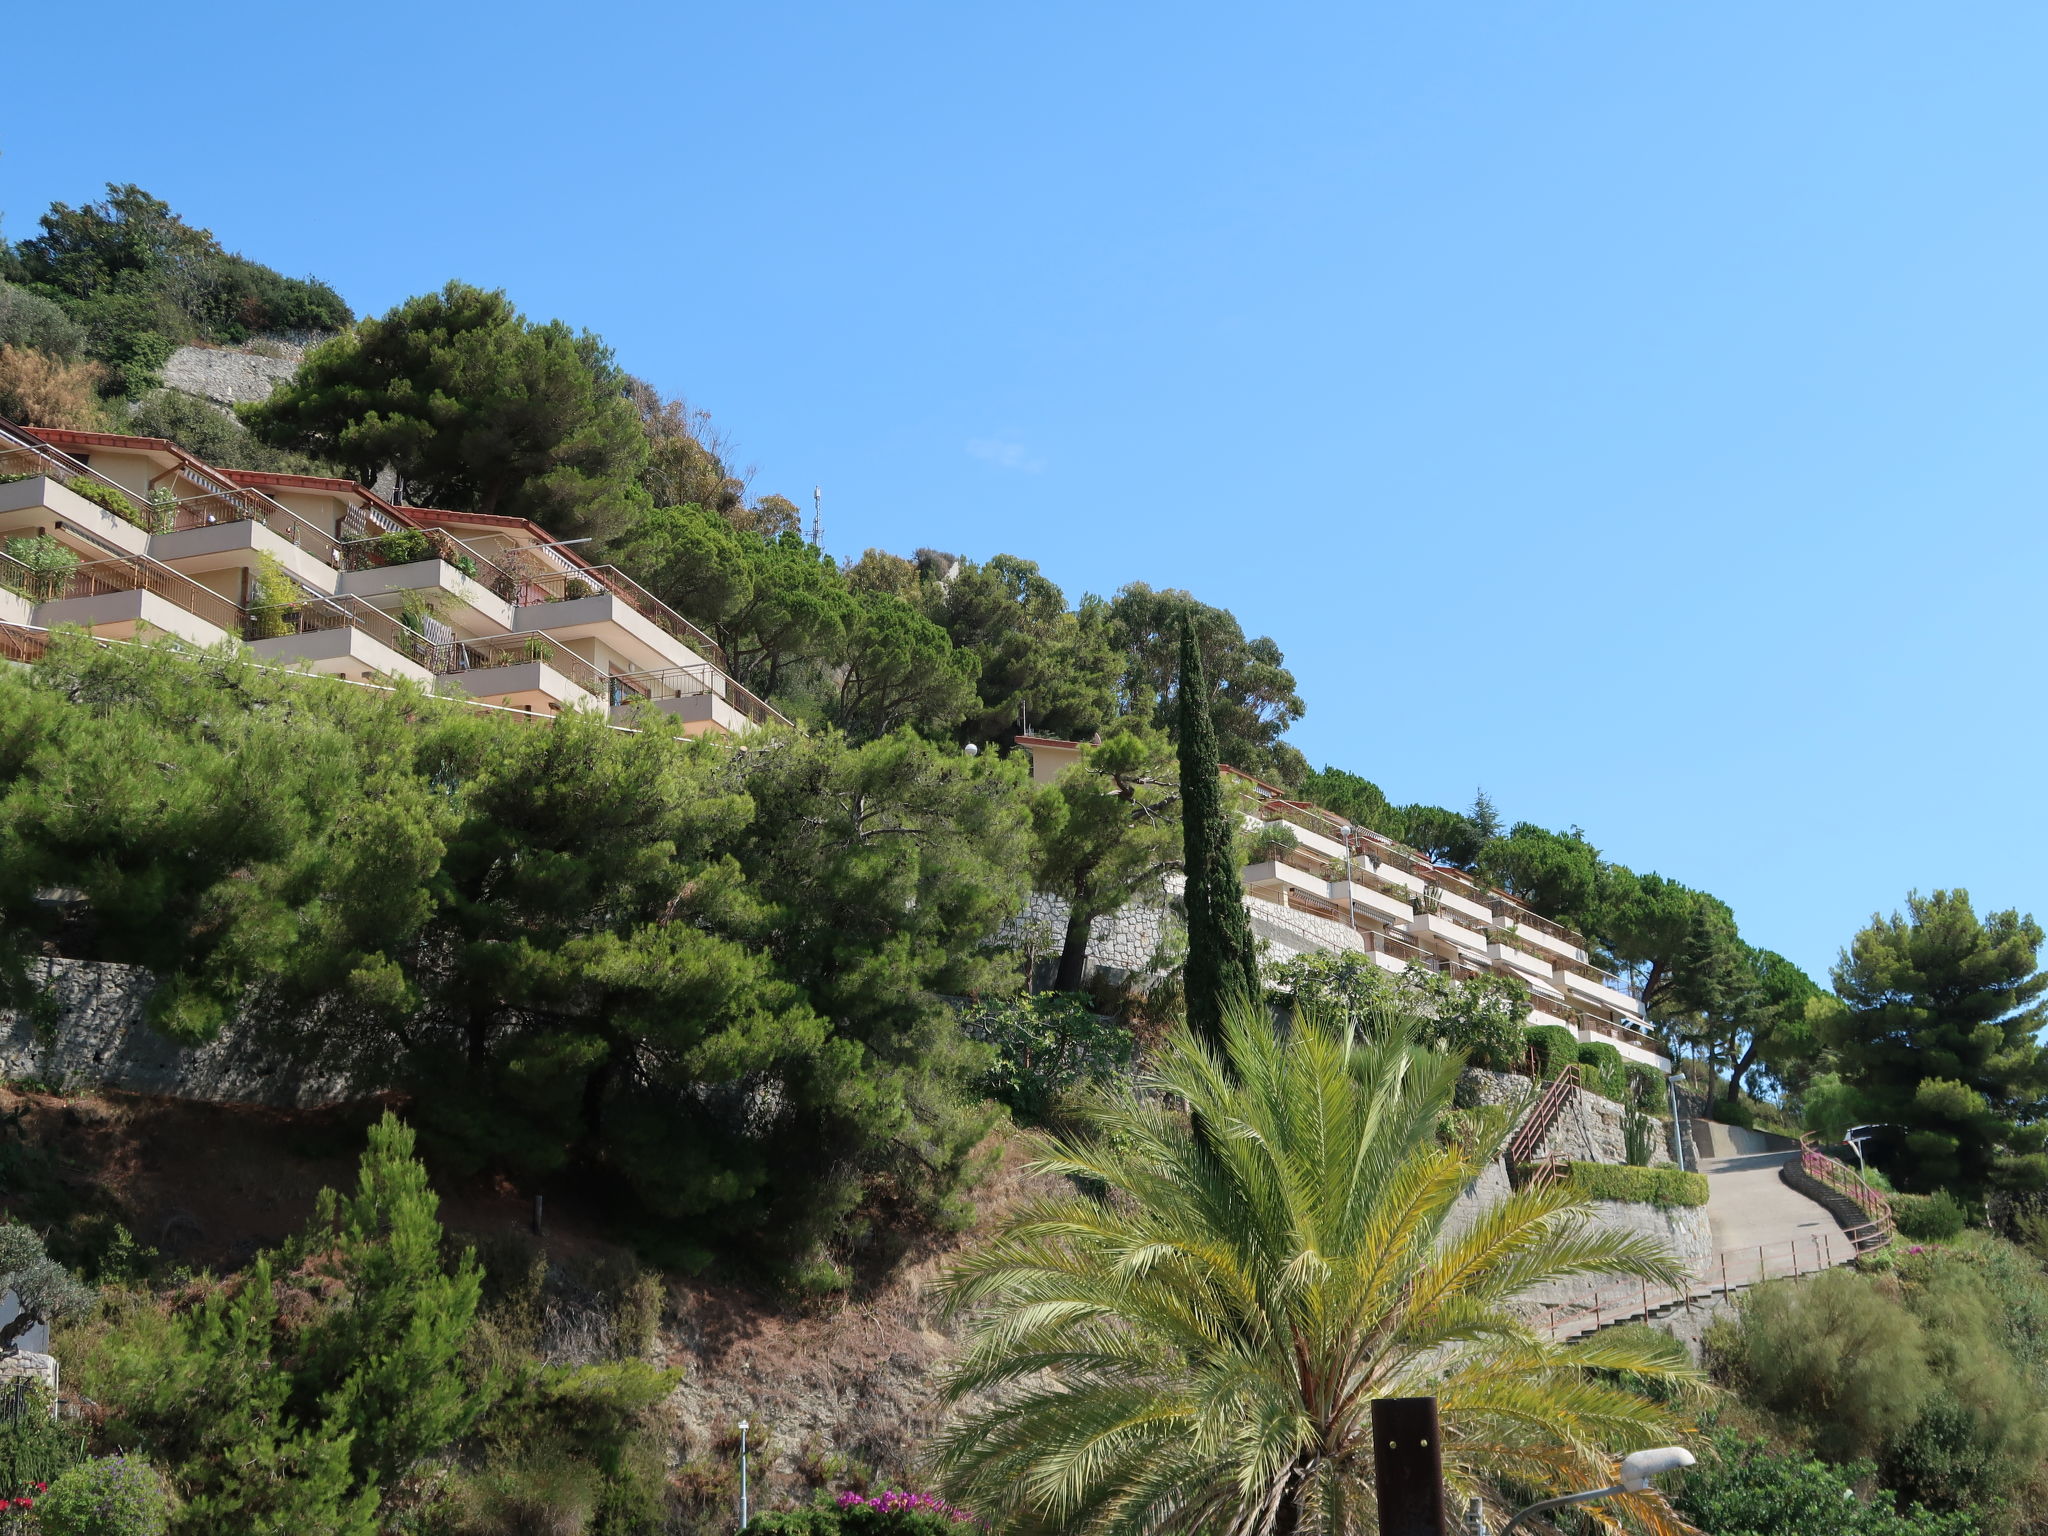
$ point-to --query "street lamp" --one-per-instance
(743, 1474)
(1636, 1471)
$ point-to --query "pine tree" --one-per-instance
(389, 1362)
(1222, 963)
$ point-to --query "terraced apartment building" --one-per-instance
(1343, 888)
(327, 575)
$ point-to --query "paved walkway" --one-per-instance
(1750, 1207)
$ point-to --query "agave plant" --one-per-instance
(1258, 1243)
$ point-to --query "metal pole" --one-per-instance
(743, 1474)
(1408, 1466)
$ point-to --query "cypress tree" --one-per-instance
(1222, 963)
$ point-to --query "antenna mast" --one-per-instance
(817, 517)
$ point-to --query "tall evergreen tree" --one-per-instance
(1222, 963)
(1940, 1037)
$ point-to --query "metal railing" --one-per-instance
(686, 682)
(315, 613)
(1521, 1148)
(1844, 1180)
(1721, 1273)
(129, 573)
(515, 650)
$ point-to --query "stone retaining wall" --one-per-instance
(226, 376)
(1588, 1131)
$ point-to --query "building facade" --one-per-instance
(326, 575)
(1323, 885)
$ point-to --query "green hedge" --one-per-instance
(1639, 1186)
(106, 497)
(1931, 1218)
(1555, 1046)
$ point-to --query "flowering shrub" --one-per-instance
(896, 1502)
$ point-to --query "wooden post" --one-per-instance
(537, 1231)
(1408, 1466)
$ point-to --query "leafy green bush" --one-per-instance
(1603, 1068)
(30, 320)
(404, 547)
(1744, 1488)
(110, 1496)
(1639, 1186)
(1934, 1371)
(105, 496)
(1555, 1047)
(35, 1445)
(1046, 1045)
(1934, 1218)
(882, 1514)
(41, 567)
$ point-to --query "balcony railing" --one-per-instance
(21, 644)
(516, 650)
(236, 504)
(687, 682)
(124, 573)
(315, 614)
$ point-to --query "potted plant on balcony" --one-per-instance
(40, 568)
(274, 600)
(537, 649)
(405, 547)
(107, 499)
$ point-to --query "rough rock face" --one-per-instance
(227, 376)
(96, 1035)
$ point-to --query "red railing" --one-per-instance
(1530, 1134)
(1844, 1180)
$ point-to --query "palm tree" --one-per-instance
(1260, 1244)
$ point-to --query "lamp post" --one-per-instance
(1636, 1471)
(743, 1474)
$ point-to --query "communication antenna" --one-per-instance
(817, 517)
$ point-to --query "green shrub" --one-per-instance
(30, 320)
(1046, 1045)
(1555, 1047)
(404, 547)
(1603, 1068)
(106, 497)
(1743, 1488)
(1646, 1084)
(35, 1446)
(41, 569)
(1934, 1218)
(110, 1496)
(1639, 1186)
(850, 1514)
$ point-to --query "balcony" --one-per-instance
(42, 504)
(699, 698)
(120, 599)
(341, 637)
(1372, 900)
(1440, 925)
(461, 602)
(529, 672)
(607, 619)
(1597, 987)
(1522, 963)
(1273, 875)
(240, 544)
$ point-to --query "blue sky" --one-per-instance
(1635, 410)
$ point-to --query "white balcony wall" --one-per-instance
(605, 616)
(128, 616)
(346, 653)
(240, 546)
(1525, 964)
(1373, 900)
(1437, 926)
(471, 609)
(45, 504)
